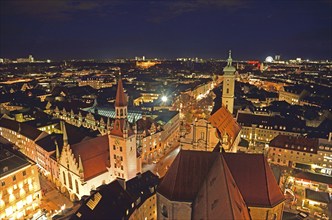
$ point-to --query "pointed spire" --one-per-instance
(57, 152)
(229, 60)
(80, 164)
(80, 167)
(64, 134)
(121, 99)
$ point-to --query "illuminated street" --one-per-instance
(52, 200)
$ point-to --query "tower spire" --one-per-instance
(64, 134)
(120, 100)
(57, 152)
(80, 167)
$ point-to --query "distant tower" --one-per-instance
(122, 140)
(228, 85)
(31, 59)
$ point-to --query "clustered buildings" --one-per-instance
(91, 129)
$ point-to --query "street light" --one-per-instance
(164, 98)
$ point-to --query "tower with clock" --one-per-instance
(124, 161)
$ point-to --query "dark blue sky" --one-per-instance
(253, 29)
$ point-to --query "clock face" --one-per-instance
(117, 141)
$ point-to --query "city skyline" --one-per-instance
(114, 29)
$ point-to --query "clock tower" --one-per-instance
(228, 85)
(122, 140)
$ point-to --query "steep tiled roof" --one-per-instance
(219, 197)
(186, 174)
(225, 123)
(255, 179)
(94, 155)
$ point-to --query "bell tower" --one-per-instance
(228, 85)
(122, 140)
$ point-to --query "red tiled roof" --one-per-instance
(223, 120)
(255, 179)
(186, 174)
(121, 99)
(94, 155)
(219, 197)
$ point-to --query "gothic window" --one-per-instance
(64, 178)
(70, 181)
(77, 189)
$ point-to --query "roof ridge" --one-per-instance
(227, 187)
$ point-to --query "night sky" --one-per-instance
(253, 29)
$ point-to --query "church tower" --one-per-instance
(228, 85)
(122, 140)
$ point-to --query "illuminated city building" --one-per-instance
(205, 135)
(290, 151)
(259, 130)
(228, 85)
(206, 185)
(95, 82)
(126, 162)
(35, 144)
(83, 166)
(202, 136)
(20, 192)
(146, 64)
(292, 95)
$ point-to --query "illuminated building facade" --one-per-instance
(126, 162)
(315, 152)
(259, 130)
(20, 192)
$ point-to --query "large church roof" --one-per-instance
(255, 179)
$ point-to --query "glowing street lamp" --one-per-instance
(164, 98)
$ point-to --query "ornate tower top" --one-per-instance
(229, 60)
(229, 69)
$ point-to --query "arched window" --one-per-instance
(70, 181)
(64, 178)
(121, 112)
(77, 189)
(227, 90)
